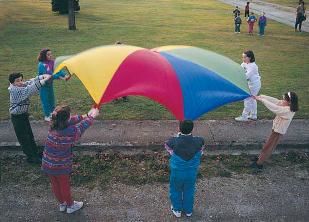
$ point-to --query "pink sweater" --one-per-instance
(284, 115)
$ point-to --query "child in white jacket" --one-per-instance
(285, 110)
(254, 84)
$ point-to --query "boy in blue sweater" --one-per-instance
(186, 151)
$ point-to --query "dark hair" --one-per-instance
(14, 76)
(250, 54)
(292, 98)
(118, 43)
(60, 117)
(186, 126)
(42, 55)
(248, 3)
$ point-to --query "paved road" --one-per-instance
(277, 194)
(283, 14)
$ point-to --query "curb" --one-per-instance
(234, 148)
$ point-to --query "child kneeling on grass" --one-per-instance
(285, 110)
(57, 158)
(186, 151)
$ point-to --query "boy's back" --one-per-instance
(185, 146)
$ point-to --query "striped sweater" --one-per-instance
(57, 156)
(19, 95)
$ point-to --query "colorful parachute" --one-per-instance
(188, 81)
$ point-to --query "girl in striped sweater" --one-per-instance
(57, 158)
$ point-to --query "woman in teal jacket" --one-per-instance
(46, 66)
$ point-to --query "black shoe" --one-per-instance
(254, 158)
(125, 99)
(256, 166)
(40, 155)
(116, 101)
(34, 160)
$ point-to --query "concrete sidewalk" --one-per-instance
(224, 135)
(279, 13)
(279, 193)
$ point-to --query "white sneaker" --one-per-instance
(47, 118)
(62, 207)
(241, 119)
(76, 206)
(189, 215)
(175, 212)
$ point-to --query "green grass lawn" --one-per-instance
(26, 26)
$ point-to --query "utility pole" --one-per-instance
(72, 25)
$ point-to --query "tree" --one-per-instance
(62, 6)
(72, 25)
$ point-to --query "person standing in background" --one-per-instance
(247, 10)
(237, 21)
(300, 15)
(262, 24)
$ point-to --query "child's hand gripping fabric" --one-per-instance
(94, 112)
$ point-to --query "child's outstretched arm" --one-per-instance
(277, 109)
(33, 87)
(60, 75)
(169, 146)
(270, 99)
(202, 147)
(75, 119)
(85, 123)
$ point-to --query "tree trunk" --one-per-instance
(72, 25)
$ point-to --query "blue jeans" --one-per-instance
(182, 189)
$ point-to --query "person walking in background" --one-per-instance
(285, 110)
(186, 151)
(46, 65)
(254, 84)
(300, 15)
(236, 12)
(247, 9)
(237, 21)
(20, 93)
(57, 158)
(251, 20)
(262, 23)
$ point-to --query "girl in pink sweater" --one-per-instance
(285, 110)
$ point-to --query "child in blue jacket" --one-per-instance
(46, 65)
(186, 151)
(262, 23)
